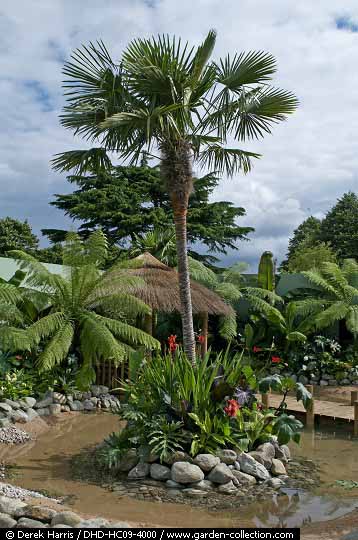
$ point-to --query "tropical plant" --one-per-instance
(338, 295)
(17, 384)
(167, 96)
(266, 273)
(88, 310)
(159, 242)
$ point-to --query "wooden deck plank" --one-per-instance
(321, 408)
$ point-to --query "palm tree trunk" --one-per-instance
(184, 284)
(177, 173)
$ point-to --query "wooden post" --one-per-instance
(356, 418)
(310, 409)
(204, 333)
(265, 399)
(354, 397)
(148, 324)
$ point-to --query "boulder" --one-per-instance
(7, 522)
(27, 523)
(95, 523)
(186, 473)
(43, 403)
(41, 513)
(45, 411)
(159, 472)
(206, 462)
(268, 450)
(243, 478)
(177, 456)
(95, 390)
(5, 407)
(19, 416)
(76, 405)
(194, 493)
(261, 459)
(5, 422)
(221, 474)
(31, 414)
(59, 398)
(151, 458)
(204, 485)
(276, 483)
(66, 518)
(227, 456)
(174, 485)
(249, 465)
(139, 471)
(55, 409)
(10, 506)
(103, 389)
(128, 461)
(88, 405)
(227, 488)
(277, 467)
(13, 404)
(283, 453)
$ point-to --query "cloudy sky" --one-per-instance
(307, 163)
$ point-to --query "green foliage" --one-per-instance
(286, 428)
(130, 203)
(77, 303)
(347, 484)
(165, 438)
(340, 227)
(338, 294)
(310, 256)
(306, 234)
(15, 234)
(160, 243)
(284, 385)
(17, 384)
(266, 273)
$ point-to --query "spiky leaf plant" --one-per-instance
(89, 310)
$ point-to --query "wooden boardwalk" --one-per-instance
(329, 409)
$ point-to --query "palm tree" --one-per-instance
(338, 294)
(159, 242)
(164, 96)
(88, 310)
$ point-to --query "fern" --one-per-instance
(165, 438)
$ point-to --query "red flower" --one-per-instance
(276, 359)
(232, 407)
(172, 343)
(18, 357)
(201, 338)
(256, 349)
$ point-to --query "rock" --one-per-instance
(194, 493)
(86, 395)
(323, 383)
(227, 456)
(7, 522)
(31, 414)
(19, 416)
(66, 518)
(268, 450)
(186, 473)
(61, 526)
(333, 382)
(345, 382)
(96, 523)
(5, 422)
(41, 513)
(303, 379)
(103, 389)
(206, 462)
(221, 474)
(55, 409)
(244, 478)
(152, 458)
(95, 390)
(13, 404)
(277, 467)
(204, 485)
(237, 465)
(174, 485)
(353, 535)
(6, 407)
(59, 398)
(10, 506)
(69, 398)
(227, 488)
(250, 466)
(159, 472)
(88, 405)
(283, 453)
(261, 459)
(27, 523)
(119, 525)
(139, 471)
(128, 461)
(76, 405)
(65, 408)
(45, 402)
(177, 456)
(45, 411)
(276, 483)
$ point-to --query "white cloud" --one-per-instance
(307, 163)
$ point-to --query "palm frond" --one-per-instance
(82, 161)
(253, 67)
(230, 160)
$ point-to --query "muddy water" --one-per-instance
(44, 464)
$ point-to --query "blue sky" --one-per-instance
(307, 163)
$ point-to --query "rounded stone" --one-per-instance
(221, 474)
(277, 467)
(206, 462)
(243, 478)
(128, 461)
(249, 465)
(55, 409)
(28, 523)
(7, 522)
(227, 488)
(66, 518)
(159, 472)
(139, 471)
(186, 473)
(227, 456)
(41, 513)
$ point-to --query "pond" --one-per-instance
(45, 465)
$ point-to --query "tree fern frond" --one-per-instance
(119, 305)
(96, 247)
(201, 273)
(129, 334)
(317, 279)
(228, 327)
(14, 339)
(56, 350)
(335, 312)
(229, 292)
(98, 342)
(264, 294)
(10, 313)
(9, 293)
(45, 327)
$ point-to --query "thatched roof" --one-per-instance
(161, 289)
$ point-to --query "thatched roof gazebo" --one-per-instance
(160, 291)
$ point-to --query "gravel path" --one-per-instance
(16, 492)
(13, 435)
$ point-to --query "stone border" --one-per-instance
(54, 403)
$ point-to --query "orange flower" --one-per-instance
(232, 407)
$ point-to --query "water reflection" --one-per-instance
(295, 508)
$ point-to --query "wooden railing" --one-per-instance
(107, 374)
